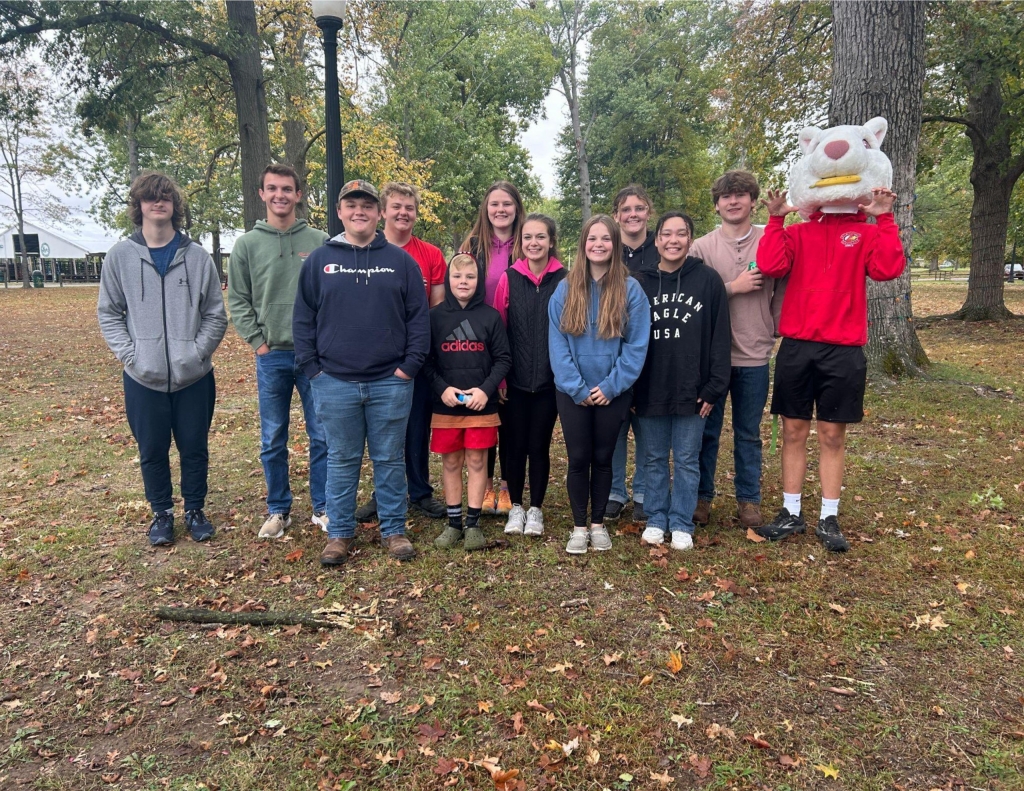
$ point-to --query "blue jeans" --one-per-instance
(619, 493)
(749, 390)
(357, 414)
(276, 378)
(670, 502)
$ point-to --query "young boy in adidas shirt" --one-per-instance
(469, 357)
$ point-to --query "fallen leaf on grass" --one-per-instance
(789, 762)
(682, 575)
(559, 668)
(663, 779)
(705, 623)
(755, 740)
(445, 766)
(291, 631)
(429, 699)
(715, 731)
(700, 765)
(845, 691)
(592, 757)
(969, 554)
(391, 698)
(837, 608)
(681, 719)
(505, 781)
(611, 659)
(646, 680)
(828, 770)
(933, 622)
(291, 557)
(537, 706)
(433, 663)
(412, 710)
(675, 662)
(484, 706)
(752, 536)
(168, 702)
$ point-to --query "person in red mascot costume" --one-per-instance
(842, 180)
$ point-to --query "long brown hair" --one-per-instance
(517, 250)
(611, 312)
(482, 233)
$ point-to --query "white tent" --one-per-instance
(46, 243)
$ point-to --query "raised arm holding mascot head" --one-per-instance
(820, 371)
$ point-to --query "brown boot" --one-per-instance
(702, 513)
(749, 514)
(336, 551)
(399, 547)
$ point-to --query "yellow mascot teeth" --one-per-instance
(834, 180)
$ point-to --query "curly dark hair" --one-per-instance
(153, 186)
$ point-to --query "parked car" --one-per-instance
(1013, 272)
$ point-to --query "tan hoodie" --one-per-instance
(754, 316)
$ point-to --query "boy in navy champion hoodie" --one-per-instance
(361, 333)
(469, 358)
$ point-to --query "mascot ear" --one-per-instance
(808, 138)
(878, 127)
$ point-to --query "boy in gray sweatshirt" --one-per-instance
(162, 315)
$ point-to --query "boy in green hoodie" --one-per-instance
(263, 276)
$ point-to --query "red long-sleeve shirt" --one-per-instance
(826, 259)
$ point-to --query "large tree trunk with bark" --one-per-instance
(246, 69)
(878, 69)
(993, 185)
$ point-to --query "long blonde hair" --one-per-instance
(611, 312)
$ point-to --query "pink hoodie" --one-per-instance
(523, 267)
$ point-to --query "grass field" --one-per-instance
(739, 665)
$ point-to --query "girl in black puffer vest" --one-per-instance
(530, 412)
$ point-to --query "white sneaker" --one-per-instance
(681, 540)
(653, 535)
(578, 541)
(275, 525)
(516, 521)
(320, 519)
(534, 522)
(599, 539)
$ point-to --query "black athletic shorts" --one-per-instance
(823, 377)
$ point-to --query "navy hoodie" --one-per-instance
(690, 351)
(468, 348)
(360, 312)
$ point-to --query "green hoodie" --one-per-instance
(263, 276)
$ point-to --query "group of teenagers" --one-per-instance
(397, 352)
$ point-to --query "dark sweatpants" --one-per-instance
(590, 435)
(155, 416)
(528, 419)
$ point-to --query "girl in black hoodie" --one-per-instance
(469, 357)
(686, 371)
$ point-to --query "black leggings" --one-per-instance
(590, 435)
(529, 419)
(498, 453)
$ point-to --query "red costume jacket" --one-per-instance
(826, 259)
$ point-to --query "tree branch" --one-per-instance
(312, 140)
(952, 119)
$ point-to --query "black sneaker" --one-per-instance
(199, 527)
(161, 529)
(830, 535)
(613, 510)
(430, 507)
(368, 512)
(639, 515)
(785, 524)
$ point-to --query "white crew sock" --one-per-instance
(791, 502)
(829, 507)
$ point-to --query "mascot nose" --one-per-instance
(836, 149)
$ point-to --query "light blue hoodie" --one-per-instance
(582, 362)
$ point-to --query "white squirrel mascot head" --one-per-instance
(839, 168)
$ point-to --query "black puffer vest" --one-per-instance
(528, 329)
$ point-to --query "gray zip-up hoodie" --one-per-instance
(163, 329)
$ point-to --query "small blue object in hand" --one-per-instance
(461, 397)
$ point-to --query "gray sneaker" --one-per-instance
(578, 541)
(516, 521)
(275, 526)
(599, 539)
(534, 522)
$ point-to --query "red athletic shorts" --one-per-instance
(450, 440)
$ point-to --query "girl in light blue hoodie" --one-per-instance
(597, 342)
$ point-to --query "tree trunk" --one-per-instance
(990, 211)
(246, 69)
(218, 259)
(571, 90)
(26, 275)
(131, 129)
(878, 69)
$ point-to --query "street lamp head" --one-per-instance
(329, 11)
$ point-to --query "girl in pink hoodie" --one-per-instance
(529, 414)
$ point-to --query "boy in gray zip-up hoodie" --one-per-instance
(161, 312)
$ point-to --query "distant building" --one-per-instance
(47, 249)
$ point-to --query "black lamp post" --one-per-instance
(330, 16)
